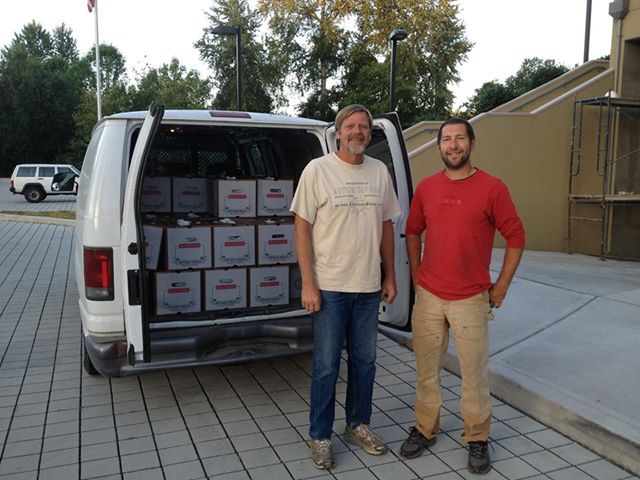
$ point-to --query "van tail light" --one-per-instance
(98, 273)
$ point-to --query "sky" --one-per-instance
(504, 32)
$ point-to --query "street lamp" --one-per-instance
(230, 30)
(396, 36)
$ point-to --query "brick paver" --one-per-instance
(240, 422)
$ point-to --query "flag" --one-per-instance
(91, 4)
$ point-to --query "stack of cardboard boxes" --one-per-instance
(218, 244)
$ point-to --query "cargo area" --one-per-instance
(218, 235)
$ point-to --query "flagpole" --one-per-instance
(98, 85)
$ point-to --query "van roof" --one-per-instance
(224, 116)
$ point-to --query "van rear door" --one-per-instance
(387, 145)
(134, 314)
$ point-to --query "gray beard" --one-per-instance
(356, 149)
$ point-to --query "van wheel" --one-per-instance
(34, 194)
(88, 365)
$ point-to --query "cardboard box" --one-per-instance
(295, 283)
(235, 198)
(190, 194)
(177, 292)
(275, 244)
(268, 286)
(274, 197)
(156, 195)
(234, 245)
(152, 245)
(225, 289)
(188, 247)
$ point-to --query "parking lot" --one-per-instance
(240, 422)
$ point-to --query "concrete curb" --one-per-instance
(35, 219)
(593, 429)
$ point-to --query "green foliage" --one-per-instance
(173, 86)
(533, 73)
(261, 86)
(39, 96)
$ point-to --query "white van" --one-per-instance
(140, 310)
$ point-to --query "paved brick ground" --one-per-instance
(242, 422)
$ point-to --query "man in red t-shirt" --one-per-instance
(459, 209)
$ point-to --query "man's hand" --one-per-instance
(389, 290)
(311, 298)
(497, 293)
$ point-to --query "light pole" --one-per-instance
(587, 32)
(396, 36)
(230, 30)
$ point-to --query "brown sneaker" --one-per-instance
(321, 454)
(366, 438)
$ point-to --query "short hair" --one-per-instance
(347, 111)
(457, 121)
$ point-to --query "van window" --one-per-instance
(26, 172)
(46, 171)
(64, 169)
(222, 151)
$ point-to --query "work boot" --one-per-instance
(321, 453)
(479, 461)
(366, 438)
(417, 443)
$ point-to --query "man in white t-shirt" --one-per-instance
(343, 205)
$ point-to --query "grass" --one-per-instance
(59, 214)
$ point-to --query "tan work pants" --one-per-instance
(467, 318)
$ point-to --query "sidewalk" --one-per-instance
(250, 421)
(564, 349)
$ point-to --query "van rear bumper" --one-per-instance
(201, 346)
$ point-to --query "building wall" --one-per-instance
(528, 145)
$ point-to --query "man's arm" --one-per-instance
(498, 290)
(304, 252)
(389, 288)
(413, 251)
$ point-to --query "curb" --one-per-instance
(577, 425)
(35, 219)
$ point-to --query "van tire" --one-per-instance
(88, 364)
(34, 194)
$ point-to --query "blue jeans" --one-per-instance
(352, 317)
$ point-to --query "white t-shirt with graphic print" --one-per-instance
(346, 204)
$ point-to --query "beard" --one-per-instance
(356, 149)
(464, 159)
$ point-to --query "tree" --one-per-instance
(116, 97)
(315, 43)
(326, 54)
(40, 94)
(172, 86)
(427, 60)
(489, 96)
(533, 73)
(261, 83)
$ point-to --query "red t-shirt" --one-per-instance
(460, 218)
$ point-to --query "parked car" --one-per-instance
(143, 310)
(34, 180)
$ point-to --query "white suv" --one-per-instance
(34, 180)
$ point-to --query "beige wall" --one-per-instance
(529, 151)
(528, 143)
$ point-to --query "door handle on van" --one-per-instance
(133, 248)
(133, 282)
